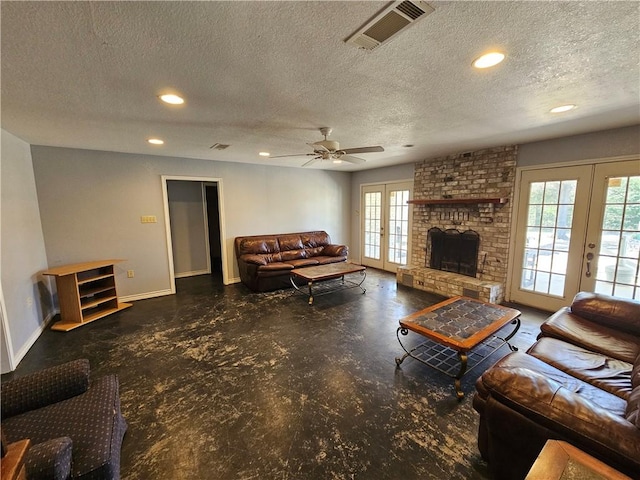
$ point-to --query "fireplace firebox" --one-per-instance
(454, 251)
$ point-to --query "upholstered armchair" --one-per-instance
(75, 426)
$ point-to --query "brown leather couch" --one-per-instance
(580, 382)
(265, 261)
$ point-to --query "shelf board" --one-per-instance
(93, 279)
(66, 326)
(97, 301)
(80, 267)
(455, 201)
(93, 291)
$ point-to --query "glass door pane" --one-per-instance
(398, 230)
(372, 225)
(615, 247)
(549, 219)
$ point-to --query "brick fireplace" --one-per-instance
(468, 191)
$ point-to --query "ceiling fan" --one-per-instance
(330, 150)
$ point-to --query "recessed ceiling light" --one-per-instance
(155, 141)
(408, 145)
(264, 154)
(562, 108)
(488, 60)
(172, 99)
(337, 160)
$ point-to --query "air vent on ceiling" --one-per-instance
(219, 146)
(389, 22)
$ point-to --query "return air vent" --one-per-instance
(389, 22)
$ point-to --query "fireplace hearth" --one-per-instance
(454, 251)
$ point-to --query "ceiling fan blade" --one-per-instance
(311, 162)
(352, 159)
(293, 155)
(363, 150)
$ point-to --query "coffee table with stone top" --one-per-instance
(321, 273)
(461, 332)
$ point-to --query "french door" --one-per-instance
(386, 225)
(578, 229)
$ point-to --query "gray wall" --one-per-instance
(188, 232)
(376, 175)
(27, 301)
(603, 144)
(91, 203)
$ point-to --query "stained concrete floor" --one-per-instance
(221, 383)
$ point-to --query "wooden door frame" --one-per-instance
(167, 222)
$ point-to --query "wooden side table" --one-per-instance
(12, 464)
(559, 460)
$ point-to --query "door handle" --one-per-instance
(589, 258)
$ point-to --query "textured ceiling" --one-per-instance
(266, 75)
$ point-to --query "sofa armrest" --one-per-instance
(39, 389)
(565, 412)
(50, 460)
(335, 250)
(613, 312)
(254, 259)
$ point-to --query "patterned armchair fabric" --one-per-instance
(76, 427)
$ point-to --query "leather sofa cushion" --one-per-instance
(255, 245)
(275, 266)
(287, 255)
(302, 262)
(322, 260)
(335, 250)
(602, 371)
(569, 327)
(518, 366)
(290, 242)
(315, 239)
(566, 412)
(609, 311)
(313, 251)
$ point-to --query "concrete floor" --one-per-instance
(221, 383)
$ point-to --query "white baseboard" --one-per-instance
(19, 355)
(192, 274)
(144, 296)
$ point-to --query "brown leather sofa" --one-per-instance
(265, 261)
(580, 382)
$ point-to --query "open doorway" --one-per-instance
(195, 227)
(213, 226)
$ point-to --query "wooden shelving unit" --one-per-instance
(86, 292)
(458, 201)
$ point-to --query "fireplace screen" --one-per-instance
(454, 251)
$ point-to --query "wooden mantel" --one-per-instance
(454, 201)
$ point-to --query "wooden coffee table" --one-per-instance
(560, 460)
(460, 334)
(320, 273)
